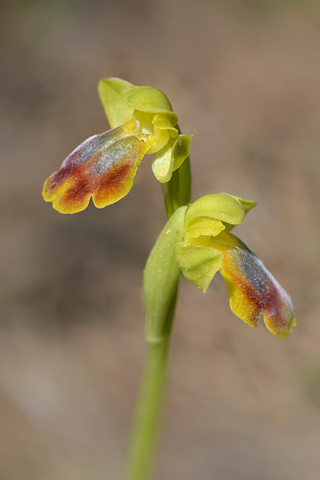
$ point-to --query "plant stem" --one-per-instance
(177, 192)
(147, 416)
(146, 423)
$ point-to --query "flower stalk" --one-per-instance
(147, 418)
(161, 285)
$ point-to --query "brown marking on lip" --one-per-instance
(249, 292)
(64, 172)
(269, 301)
(72, 170)
(114, 184)
(78, 192)
(108, 186)
(97, 175)
(57, 179)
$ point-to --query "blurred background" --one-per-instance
(244, 78)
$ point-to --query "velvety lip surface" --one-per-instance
(103, 167)
(254, 293)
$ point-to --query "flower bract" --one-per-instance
(209, 247)
(103, 166)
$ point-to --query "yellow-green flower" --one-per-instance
(103, 166)
(208, 246)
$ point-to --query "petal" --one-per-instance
(158, 140)
(166, 121)
(180, 150)
(203, 226)
(254, 293)
(103, 167)
(170, 157)
(160, 127)
(162, 163)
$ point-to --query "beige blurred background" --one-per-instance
(244, 78)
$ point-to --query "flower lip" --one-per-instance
(254, 293)
(103, 167)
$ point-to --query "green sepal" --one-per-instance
(161, 277)
(198, 264)
(247, 206)
(220, 206)
(246, 203)
(147, 99)
(117, 110)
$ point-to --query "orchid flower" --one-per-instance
(104, 166)
(208, 246)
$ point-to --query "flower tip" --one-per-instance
(254, 293)
(280, 319)
(246, 203)
(55, 194)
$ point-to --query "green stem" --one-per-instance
(145, 428)
(177, 192)
(146, 423)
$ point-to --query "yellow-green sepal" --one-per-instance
(246, 203)
(161, 277)
(247, 206)
(147, 99)
(198, 264)
(171, 157)
(220, 206)
(117, 110)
